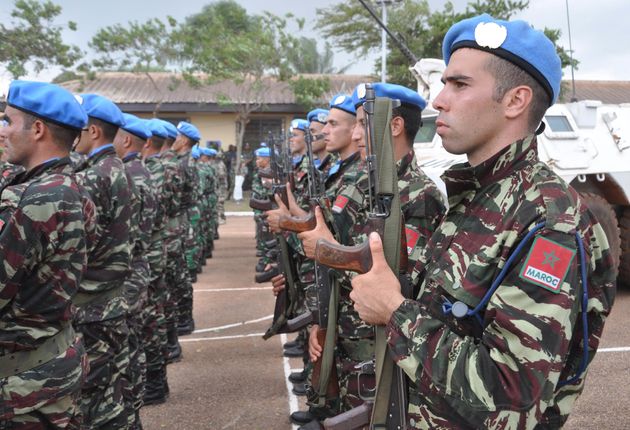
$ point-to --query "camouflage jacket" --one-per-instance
(109, 186)
(145, 207)
(173, 183)
(301, 183)
(501, 370)
(190, 181)
(47, 223)
(156, 255)
(7, 172)
(221, 173)
(208, 185)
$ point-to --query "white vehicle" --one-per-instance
(587, 143)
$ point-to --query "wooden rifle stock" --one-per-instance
(260, 204)
(266, 173)
(281, 190)
(332, 390)
(356, 258)
(355, 418)
(298, 225)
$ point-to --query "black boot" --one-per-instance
(155, 393)
(173, 346)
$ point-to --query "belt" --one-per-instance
(21, 361)
(84, 299)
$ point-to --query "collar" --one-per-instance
(50, 164)
(100, 149)
(131, 156)
(463, 178)
(403, 164)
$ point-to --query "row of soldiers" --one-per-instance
(497, 312)
(105, 221)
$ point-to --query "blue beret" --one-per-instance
(299, 124)
(102, 108)
(319, 115)
(390, 91)
(156, 127)
(514, 41)
(263, 152)
(189, 130)
(210, 152)
(195, 152)
(171, 130)
(344, 103)
(47, 101)
(136, 126)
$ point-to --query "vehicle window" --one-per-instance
(427, 131)
(558, 123)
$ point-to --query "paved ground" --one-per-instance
(232, 379)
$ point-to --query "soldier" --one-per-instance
(41, 358)
(154, 331)
(210, 190)
(517, 280)
(222, 177)
(102, 308)
(324, 160)
(128, 144)
(176, 273)
(188, 135)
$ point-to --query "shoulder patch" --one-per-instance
(412, 238)
(300, 175)
(1, 225)
(547, 264)
(340, 204)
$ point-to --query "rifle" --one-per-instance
(390, 403)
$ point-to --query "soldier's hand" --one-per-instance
(273, 216)
(309, 238)
(277, 284)
(314, 348)
(295, 210)
(376, 294)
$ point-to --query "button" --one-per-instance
(436, 271)
(456, 285)
(412, 422)
(459, 309)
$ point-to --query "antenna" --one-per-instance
(573, 96)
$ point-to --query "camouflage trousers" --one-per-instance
(107, 386)
(46, 397)
(222, 195)
(136, 293)
(154, 330)
(176, 273)
(354, 385)
(193, 248)
(183, 290)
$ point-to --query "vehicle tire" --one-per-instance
(624, 261)
(605, 214)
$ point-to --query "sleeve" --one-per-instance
(518, 357)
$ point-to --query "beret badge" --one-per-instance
(490, 35)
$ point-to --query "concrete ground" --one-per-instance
(230, 378)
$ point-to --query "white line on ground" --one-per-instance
(210, 290)
(293, 401)
(238, 336)
(615, 349)
(223, 327)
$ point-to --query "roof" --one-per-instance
(608, 92)
(133, 90)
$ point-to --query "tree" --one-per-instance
(421, 29)
(304, 57)
(33, 40)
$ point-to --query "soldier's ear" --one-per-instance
(397, 126)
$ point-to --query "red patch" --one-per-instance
(1, 224)
(340, 203)
(547, 264)
(300, 175)
(412, 239)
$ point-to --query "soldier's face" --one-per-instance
(338, 133)
(470, 120)
(297, 142)
(17, 140)
(262, 162)
(358, 133)
(316, 130)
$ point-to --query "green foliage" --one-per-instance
(138, 47)
(33, 40)
(304, 57)
(308, 91)
(351, 28)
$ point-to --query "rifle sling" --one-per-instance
(387, 184)
(328, 352)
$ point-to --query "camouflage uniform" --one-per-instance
(221, 174)
(194, 250)
(190, 212)
(136, 285)
(208, 207)
(502, 369)
(176, 273)
(7, 172)
(102, 308)
(261, 189)
(42, 264)
(154, 332)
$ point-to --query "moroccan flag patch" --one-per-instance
(412, 239)
(340, 203)
(547, 264)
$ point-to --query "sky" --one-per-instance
(598, 29)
